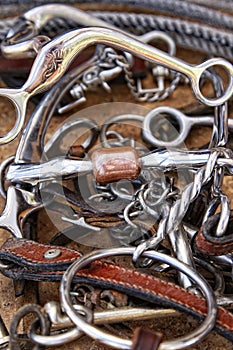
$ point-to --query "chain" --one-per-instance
(148, 96)
(169, 90)
(122, 62)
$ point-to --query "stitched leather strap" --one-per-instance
(210, 248)
(29, 262)
(207, 243)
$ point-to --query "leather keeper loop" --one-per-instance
(114, 164)
(76, 151)
(144, 339)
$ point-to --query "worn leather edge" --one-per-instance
(207, 243)
(210, 248)
(31, 255)
(146, 339)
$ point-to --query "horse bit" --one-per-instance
(153, 211)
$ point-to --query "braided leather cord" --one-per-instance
(216, 4)
(175, 7)
(186, 34)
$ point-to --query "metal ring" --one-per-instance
(153, 115)
(58, 339)
(159, 35)
(117, 342)
(52, 147)
(115, 120)
(196, 78)
(219, 286)
(42, 318)
(19, 100)
(3, 166)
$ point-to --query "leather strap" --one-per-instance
(209, 248)
(209, 244)
(29, 262)
(145, 339)
(85, 207)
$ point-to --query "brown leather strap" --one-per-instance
(76, 152)
(33, 255)
(208, 243)
(30, 263)
(210, 248)
(144, 339)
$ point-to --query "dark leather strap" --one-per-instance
(29, 262)
(145, 339)
(31, 255)
(83, 206)
(209, 248)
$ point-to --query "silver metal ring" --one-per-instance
(117, 342)
(115, 120)
(52, 147)
(150, 119)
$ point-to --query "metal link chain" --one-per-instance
(121, 61)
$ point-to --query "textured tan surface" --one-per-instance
(170, 327)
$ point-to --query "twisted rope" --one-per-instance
(186, 34)
(181, 8)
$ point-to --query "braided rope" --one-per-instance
(186, 34)
(216, 4)
(181, 8)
